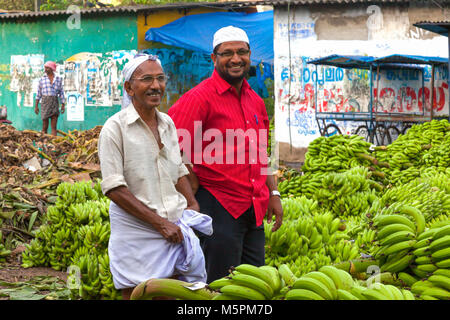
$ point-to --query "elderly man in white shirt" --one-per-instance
(147, 183)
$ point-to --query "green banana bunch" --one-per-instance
(108, 291)
(424, 145)
(380, 291)
(146, 290)
(432, 251)
(324, 284)
(435, 287)
(34, 255)
(75, 232)
(248, 282)
(90, 281)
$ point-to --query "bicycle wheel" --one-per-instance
(378, 135)
(363, 131)
(392, 133)
(331, 130)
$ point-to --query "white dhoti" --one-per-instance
(137, 252)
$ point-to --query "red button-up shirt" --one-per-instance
(225, 137)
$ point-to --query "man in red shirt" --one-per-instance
(223, 128)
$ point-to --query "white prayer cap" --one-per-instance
(129, 69)
(229, 33)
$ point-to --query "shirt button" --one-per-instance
(248, 122)
(254, 198)
(253, 180)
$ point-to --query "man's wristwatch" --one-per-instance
(275, 193)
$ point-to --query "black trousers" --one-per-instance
(233, 242)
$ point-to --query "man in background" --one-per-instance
(50, 94)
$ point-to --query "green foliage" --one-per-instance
(17, 4)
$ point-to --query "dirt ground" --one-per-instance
(11, 271)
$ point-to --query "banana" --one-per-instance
(397, 237)
(426, 297)
(421, 286)
(219, 283)
(423, 260)
(407, 295)
(169, 287)
(443, 263)
(253, 283)
(242, 292)
(407, 279)
(393, 228)
(427, 234)
(440, 281)
(437, 293)
(326, 280)
(420, 252)
(441, 254)
(440, 243)
(347, 280)
(287, 274)
(384, 290)
(372, 294)
(399, 246)
(302, 294)
(417, 215)
(275, 277)
(398, 265)
(396, 292)
(357, 290)
(442, 272)
(223, 296)
(383, 220)
(422, 243)
(313, 285)
(441, 232)
(256, 272)
(345, 295)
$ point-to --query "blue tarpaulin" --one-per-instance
(195, 32)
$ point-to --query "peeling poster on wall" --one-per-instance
(75, 106)
(25, 73)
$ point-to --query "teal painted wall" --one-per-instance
(52, 38)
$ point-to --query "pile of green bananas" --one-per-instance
(435, 287)
(248, 282)
(345, 193)
(339, 153)
(396, 235)
(75, 235)
(424, 145)
(429, 193)
(331, 283)
(308, 238)
(432, 250)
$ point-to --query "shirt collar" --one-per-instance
(222, 86)
(133, 116)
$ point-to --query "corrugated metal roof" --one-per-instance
(226, 5)
(133, 9)
(440, 27)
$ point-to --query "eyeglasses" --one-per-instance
(149, 79)
(229, 53)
